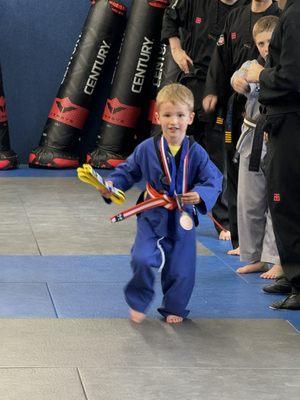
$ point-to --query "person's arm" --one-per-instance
(173, 20)
(175, 17)
(238, 80)
(253, 73)
(283, 79)
(208, 184)
(217, 76)
(128, 173)
(179, 55)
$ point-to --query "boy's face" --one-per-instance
(174, 120)
(262, 41)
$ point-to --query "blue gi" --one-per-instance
(160, 241)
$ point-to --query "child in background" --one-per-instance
(183, 180)
(256, 236)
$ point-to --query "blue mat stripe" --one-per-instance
(92, 287)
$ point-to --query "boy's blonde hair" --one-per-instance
(175, 93)
(264, 24)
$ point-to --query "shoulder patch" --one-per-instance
(221, 40)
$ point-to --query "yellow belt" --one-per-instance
(88, 175)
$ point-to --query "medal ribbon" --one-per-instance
(177, 179)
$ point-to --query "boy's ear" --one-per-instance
(157, 117)
(192, 116)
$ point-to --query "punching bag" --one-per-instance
(167, 72)
(8, 158)
(153, 85)
(123, 108)
(93, 51)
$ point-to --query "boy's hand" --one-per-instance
(105, 192)
(191, 198)
(209, 103)
(253, 72)
(240, 85)
(182, 59)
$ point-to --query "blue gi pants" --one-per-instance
(177, 258)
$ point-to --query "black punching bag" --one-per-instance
(123, 108)
(93, 51)
(167, 72)
(8, 158)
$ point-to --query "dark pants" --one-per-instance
(211, 137)
(232, 182)
(283, 177)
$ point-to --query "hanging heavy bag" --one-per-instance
(8, 158)
(102, 31)
(123, 108)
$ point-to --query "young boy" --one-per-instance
(257, 240)
(179, 174)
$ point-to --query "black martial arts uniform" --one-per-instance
(280, 93)
(198, 24)
(234, 47)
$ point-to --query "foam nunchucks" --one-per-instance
(88, 175)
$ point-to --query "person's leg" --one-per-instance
(145, 255)
(232, 179)
(270, 252)
(215, 146)
(211, 137)
(283, 175)
(251, 208)
(178, 276)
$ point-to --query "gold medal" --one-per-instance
(186, 221)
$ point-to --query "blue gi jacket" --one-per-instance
(144, 163)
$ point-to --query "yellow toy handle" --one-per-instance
(88, 175)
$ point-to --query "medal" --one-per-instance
(186, 221)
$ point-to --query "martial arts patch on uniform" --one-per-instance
(198, 20)
(276, 197)
(221, 40)
(233, 35)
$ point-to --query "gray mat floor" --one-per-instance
(62, 216)
(113, 359)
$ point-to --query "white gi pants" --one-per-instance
(256, 235)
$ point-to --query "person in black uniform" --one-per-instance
(192, 28)
(234, 47)
(280, 93)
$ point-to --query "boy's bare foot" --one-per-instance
(256, 267)
(224, 235)
(234, 252)
(173, 319)
(136, 316)
(275, 272)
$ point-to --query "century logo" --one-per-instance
(97, 68)
(142, 65)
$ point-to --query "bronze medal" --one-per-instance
(186, 221)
